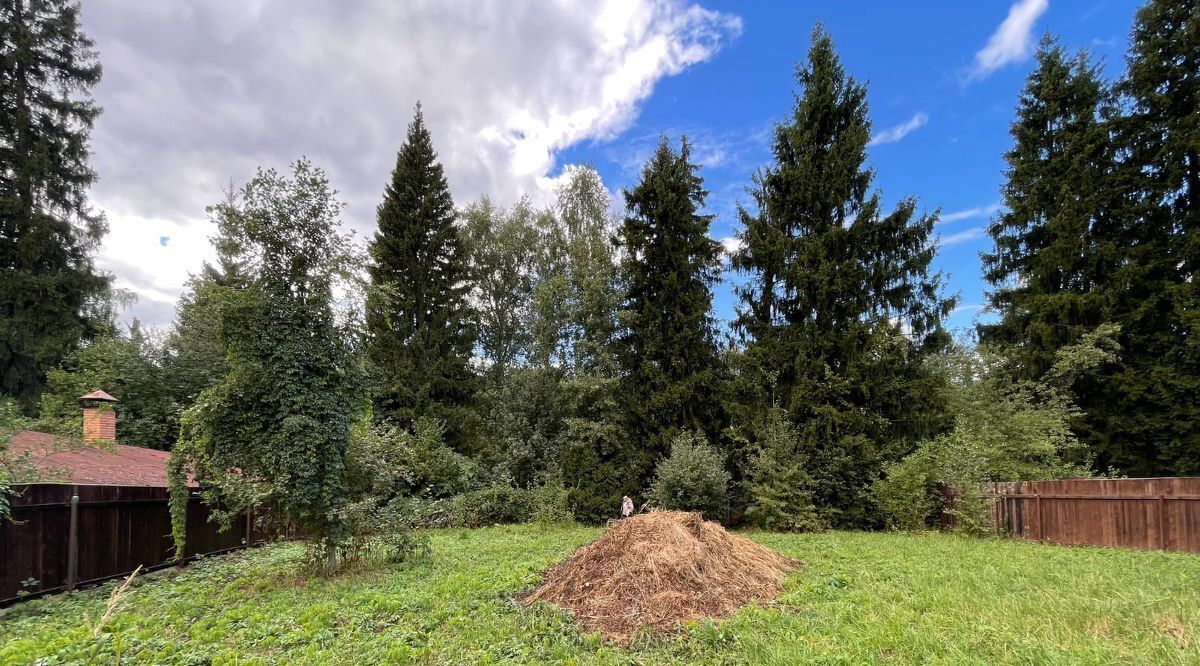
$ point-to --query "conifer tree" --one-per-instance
(840, 307)
(1144, 417)
(1053, 248)
(668, 348)
(51, 294)
(421, 332)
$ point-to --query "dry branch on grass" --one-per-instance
(661, 569)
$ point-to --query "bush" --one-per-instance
(778, 486)
(1003, 431)
(375, 533)
(386, 461)
(692, 478)
(494, 505)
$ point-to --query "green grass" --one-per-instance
(861, 598)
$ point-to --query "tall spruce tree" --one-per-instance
(418, 318)
(51, 294)
(1057, 240)
(1059, 267)
(840, 308)
(668, 348)
(1144, 418)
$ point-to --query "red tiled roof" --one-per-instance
(67, 461)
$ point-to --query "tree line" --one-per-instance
(570, 352)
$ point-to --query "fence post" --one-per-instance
(249, 526)
(1037, 501)
(73, 541)
(1162, 522)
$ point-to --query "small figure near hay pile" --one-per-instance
(626, 507)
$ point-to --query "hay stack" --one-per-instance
(660, 569)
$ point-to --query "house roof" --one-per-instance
(64, 460)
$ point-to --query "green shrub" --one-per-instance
(375, 533)
(692, 478)
(551, 504)
(778, 487)
(1003, 431)
(494, 505)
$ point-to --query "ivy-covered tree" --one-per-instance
(51, 294)
(273, 431)
(840, 307)
(669, 357)
(418, 317)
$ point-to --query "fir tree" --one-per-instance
(51, 294)
(1144, 417)
(668, 349)
(1057, 238)
(421, 333)
(840, 307)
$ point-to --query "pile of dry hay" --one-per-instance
(660, 569)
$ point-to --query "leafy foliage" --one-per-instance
(14, 467)
(130, 369)
(1002, 432)
(692, 478)
(273, 432)
(51, 294)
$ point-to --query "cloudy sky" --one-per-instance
(197, 94)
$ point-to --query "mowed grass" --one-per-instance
(861, 598)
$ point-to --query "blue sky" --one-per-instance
(919, 61)
(197, 95)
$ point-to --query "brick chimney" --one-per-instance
(99, 417)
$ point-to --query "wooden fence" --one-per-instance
(64, 536)
(1147, 514)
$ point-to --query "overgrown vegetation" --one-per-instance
(1002, 430)
(858, 598)
(498, 363)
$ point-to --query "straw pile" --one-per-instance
(661, 569)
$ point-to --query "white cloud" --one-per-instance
(199, 94)
(961, 237)
(970, 213)
(730, 245)
(894, 134)
(1012, 41)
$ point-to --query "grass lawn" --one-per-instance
(861, 598)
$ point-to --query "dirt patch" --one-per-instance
(660, 569)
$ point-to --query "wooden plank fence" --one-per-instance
(63, 536)
(1147, 514)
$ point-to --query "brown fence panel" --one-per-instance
(117, 529)
(1147, 514)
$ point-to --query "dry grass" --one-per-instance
(115, 601)
(661, 569)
